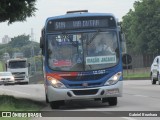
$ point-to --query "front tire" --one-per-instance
(56, 104)
(112, 101)
(153, 80)
(47, 101)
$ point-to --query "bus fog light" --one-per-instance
(114, 79)
(112, 91)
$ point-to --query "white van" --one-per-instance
(155, 70)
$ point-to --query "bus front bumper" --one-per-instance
(55, 94)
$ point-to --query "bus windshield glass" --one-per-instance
(83, 51)
(17, 64)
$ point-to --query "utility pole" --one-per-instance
(32, 50)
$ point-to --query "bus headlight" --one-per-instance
(56, 83)
(114, 79)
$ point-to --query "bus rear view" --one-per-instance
(81, 58)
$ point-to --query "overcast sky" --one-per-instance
(48, 8)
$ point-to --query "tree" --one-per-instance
(22, 44)
(16, 10)
(19, 41)
(141, 27)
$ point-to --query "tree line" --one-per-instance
(141, 26)
(21, 44)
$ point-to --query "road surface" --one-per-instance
(138, 95)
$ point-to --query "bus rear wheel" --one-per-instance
(56, 104)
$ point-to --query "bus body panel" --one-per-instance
(61, 94)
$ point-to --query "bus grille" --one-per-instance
(84, 77)
(85, 92)
(5, 78)
(89, 85)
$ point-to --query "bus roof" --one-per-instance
(73, 15)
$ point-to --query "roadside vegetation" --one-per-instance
(1, 66)
(141, 27)
(10, 103)
(134, 75)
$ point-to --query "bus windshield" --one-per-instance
(83, 51)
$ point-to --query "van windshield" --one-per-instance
(17, 64)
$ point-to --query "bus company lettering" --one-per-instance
(100, 60)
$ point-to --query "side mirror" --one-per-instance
(126, 59)
(42, 44)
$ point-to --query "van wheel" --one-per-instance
(112, 101)
(56, 104)
(26, 83)
(153, 80)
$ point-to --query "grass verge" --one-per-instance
(128, 76)
(10, 103)
(1, 66)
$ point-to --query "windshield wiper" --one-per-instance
(92, 38)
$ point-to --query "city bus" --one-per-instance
(81, 58)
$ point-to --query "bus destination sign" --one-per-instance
(57, 25)
(77, 24)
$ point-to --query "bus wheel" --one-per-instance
(56, 104)
(112, 101)
(47, 101)
(104, 100)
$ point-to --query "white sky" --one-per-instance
(48, 8)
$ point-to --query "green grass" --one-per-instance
(10, 103)
(136, 75)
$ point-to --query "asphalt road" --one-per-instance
(138, 95)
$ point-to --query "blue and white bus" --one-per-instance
(82, 58)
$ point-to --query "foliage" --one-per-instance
(141, 27)
(16, 10)
(1, 66)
